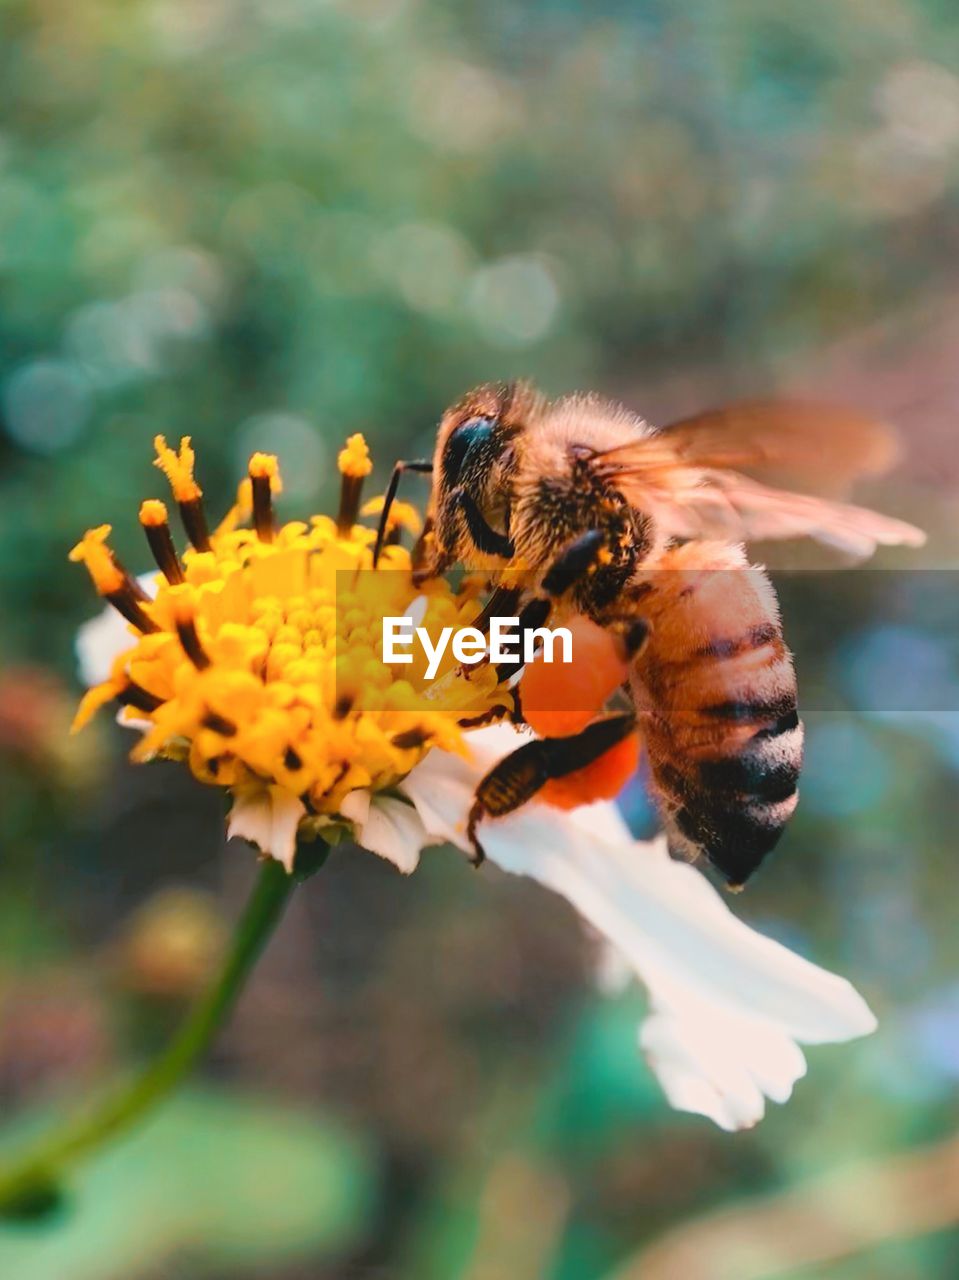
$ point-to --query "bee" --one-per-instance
(579, 507)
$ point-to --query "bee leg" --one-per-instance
(572, 564)
(422, 466)
(485, 538)
(520, 775)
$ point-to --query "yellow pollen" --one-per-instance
(403, 515)
(153, 513)
(93, 552)
(264, 464)
(354, 459)
(178, 469)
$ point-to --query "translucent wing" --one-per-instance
(704, 477)
(795, 443)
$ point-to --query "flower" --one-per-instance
(257, 656)
(232, 660)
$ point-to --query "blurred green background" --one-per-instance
(269, 223)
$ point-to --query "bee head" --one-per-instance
(475, 455)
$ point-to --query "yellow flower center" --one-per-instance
(259, 660)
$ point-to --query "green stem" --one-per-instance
(36, 1173)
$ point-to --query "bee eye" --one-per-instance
(465, 439)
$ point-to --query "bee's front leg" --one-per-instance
(519, 776)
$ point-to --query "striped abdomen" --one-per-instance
(716, 692)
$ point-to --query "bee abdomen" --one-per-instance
(733, 803)
(719, 692)
(760, 773)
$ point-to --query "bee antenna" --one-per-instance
(421, 466)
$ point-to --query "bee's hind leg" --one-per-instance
(519, 776)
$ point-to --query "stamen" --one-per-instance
(178, 469)
(100, 561)
(194, 524)
(127, 603)
(354, 465)
(185, 619)
(140, 699)
(263, 470)
(111, 580)
(137, 590)
(156, 526)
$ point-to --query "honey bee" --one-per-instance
(578, 506)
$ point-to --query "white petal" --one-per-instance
(416, 610)
(441, 788)
(729, 1004)
(720, 1066)
(387, 826)
(268, 817)
(98, 642)
(128, 719)
(101, 640)
(356, 806)
(674, 926)
(613, 972)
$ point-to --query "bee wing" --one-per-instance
(795, 443)
(692, 475)
(726, 505)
